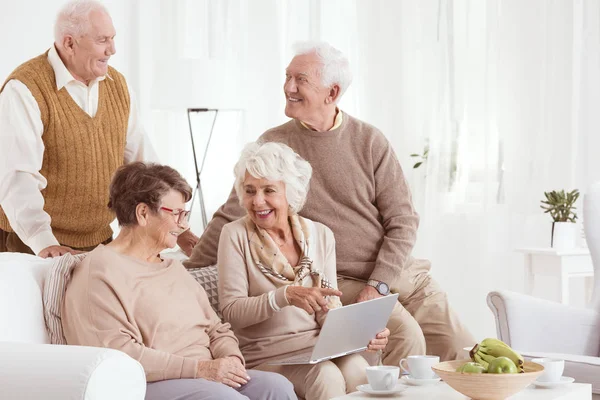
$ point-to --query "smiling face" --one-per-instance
(306, 98)
(88, 55)
(162, 225)
(266, 202)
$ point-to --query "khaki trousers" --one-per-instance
(10, 242)
(324, 380)
(421, 323)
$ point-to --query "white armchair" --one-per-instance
(542, 328)
(31, 368)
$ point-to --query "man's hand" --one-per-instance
(228, 370)
(368, 293)
(57, 251)
(186, 241)
(310, 300)
(380, 341)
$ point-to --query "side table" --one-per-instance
(561, 265)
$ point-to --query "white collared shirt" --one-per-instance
(22, 151)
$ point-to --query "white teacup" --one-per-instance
(383, 377)
(553, 369)
(419, 367)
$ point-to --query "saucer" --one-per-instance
(409, 380)
(563, 381)
(369, 390)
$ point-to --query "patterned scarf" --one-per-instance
(271, 261)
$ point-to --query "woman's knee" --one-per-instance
(326, 375)
(353, 368)
(191, 389)
(268, 386)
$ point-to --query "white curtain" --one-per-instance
(503, 93)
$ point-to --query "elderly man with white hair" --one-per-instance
(67, 121)
(359, 191)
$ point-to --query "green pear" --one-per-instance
(502, 365)
(471, 368)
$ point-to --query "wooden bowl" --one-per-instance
(486, 386)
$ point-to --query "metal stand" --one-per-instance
(200, 166)
(198, 190)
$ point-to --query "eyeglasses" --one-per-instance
(182, 216)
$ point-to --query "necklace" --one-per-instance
(280, 243)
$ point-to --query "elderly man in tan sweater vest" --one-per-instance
(359, 191)
(67, 121)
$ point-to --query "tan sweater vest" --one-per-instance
(81, 153)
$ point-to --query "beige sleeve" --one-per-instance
(329, 268)
(205, 251)
(223, 342)
(96, 317)
(400, 220)
(237, 307)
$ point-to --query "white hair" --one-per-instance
(74, 18)
(275, 162)
(335, 67)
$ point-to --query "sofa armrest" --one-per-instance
(531, 324)
(54, 372)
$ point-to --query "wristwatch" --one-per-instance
(381, 287)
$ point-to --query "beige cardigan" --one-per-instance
(155, 312)
(266, 334)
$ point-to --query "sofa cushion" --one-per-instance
(585, 369)
(21, 311)
(208, 278)
(57, 278)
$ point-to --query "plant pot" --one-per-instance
(564, 235)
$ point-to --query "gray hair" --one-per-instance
(275, 162)
(335, 66)
(74, 18)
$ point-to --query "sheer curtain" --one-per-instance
(503, 93)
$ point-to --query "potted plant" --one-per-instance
(561, 207)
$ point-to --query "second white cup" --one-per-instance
(553, 369)
(419, 367)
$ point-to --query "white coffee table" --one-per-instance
(441, 391)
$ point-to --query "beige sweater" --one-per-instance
(155, 312)
(266, 334)
(357, 189)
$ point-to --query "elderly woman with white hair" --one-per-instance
(277, 274)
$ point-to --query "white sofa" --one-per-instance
(31, 368)
(542, 328)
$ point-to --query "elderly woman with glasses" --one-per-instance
(125, 296)
(277, 274)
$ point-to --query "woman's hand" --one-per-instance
(229, 371)
(380, 341)
(310, 300)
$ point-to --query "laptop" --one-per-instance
(347, 330)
